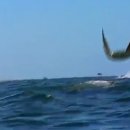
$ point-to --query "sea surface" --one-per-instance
(86, 103)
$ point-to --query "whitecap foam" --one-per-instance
(101, 83)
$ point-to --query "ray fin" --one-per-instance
(128, 48)
(105, 45)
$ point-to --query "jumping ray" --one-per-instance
(115, 55)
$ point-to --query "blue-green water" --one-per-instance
(65, 104)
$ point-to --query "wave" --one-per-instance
(64, 103)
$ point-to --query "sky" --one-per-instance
(61, 38)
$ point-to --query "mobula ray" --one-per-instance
(115, 55)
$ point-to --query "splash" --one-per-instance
(127, 75)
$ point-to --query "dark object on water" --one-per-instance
(99, 74)
(115, 55)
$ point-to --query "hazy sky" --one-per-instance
(61, 38)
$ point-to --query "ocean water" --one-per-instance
(88, 103)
